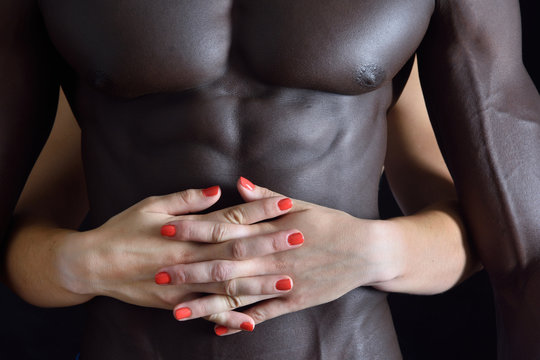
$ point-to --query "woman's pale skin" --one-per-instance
(425, 252)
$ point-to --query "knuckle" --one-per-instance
(180, 274)
(276, 242)
(219, 232)
(220, 272)
(215, 318)
(235, 215)
(270, 208)
(258, 315)
(231, 288)
(168, 299)
(148, 201)
(178, 256)
(182, 230)
(239, 250)
(234, 302)
(185, 197)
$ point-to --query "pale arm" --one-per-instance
(431, 243)
(52, 202)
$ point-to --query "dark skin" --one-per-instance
(503, 127)
(191, 94)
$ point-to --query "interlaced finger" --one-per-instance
(256, 285)
(211, 306)
(253, 212)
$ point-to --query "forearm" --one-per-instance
(491, 141)
(429, 246)
(429, 251)
(35, 265)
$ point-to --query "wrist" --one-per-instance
(74, 264)
(386, 246)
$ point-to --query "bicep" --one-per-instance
(486, 113)
(28, 95)
(414, 165)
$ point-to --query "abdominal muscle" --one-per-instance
(319, 147)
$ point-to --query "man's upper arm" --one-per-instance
(28, 97)
(486, 115)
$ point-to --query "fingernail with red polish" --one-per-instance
(182, 313)
(284, 284)
(211, 191)
(162, 278)
(220, 330)
(285, 204)
(247, 326)
(168, 230)
(295, 239)
(246, 184)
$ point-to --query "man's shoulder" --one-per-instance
(473, 10)
(485, 24)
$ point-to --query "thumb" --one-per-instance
(251, 192)
(183, 202)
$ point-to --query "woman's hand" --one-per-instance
(340, 253)
(122, 258)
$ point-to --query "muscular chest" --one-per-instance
(136, 47)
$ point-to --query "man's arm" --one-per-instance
(28, 95)
(486, 113)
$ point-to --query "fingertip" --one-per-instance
(211, 191)
(284, 284)
(247, 189)
(220, 330)
(168, 230)
(295, 239)
(247, 326)
(285, 204)
(182, 313)
(246, 184)
(162, 278)
(251, 192)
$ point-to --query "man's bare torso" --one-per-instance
(181, 94)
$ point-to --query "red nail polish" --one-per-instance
(182, 313)
(220, 330)
(247, 326)
(162, 278)
(285, 204)
(284, 284)
(295, 239)
(168, 230)
(211, 191)
(246, 184)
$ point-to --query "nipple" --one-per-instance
(369, 76)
